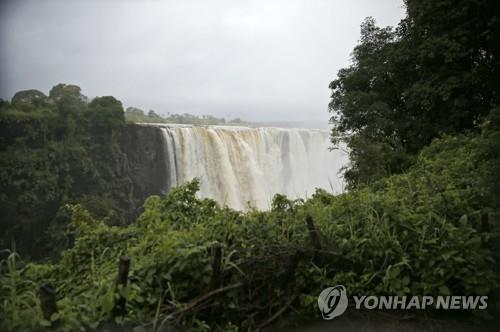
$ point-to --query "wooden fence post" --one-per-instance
(313, 233)
(485, 224)
(47, 294)
(314, 236)
(121, 282)
(289, 274)
(216, 280)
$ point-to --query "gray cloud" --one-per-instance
(260, 60)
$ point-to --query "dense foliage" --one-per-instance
(421, 232)
(54, 150)
(436, 73)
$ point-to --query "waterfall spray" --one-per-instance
(242, 167)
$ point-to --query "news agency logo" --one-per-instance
(333, 301)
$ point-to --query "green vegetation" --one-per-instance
(421, 232)
(63, 148)
(436, 73)
(136, 115)
(419, 111)
(54, 150)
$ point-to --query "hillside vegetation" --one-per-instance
(422, 232)
(63, 148)
(54, 149)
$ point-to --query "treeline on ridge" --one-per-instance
(137, 115)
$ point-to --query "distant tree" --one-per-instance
(152, 114)
(68, 98)
(135, 111)
(108, 103)
(66, 90)
(29, 98)
(70, 104)
(105, 115)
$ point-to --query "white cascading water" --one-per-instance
(242, 167)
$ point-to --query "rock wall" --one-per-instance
(141, 167)
(111, 178)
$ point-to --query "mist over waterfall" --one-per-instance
(242, 166)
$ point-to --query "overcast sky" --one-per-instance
(259, 60)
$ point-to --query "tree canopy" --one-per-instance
(53, 150)
(435, 73)
(29, 98)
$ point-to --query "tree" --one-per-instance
(70, 104)
(152, 114)
(365, 103)
(436, 73)
(66, 90)
(135, 111)
(105, 115)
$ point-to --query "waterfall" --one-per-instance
(242, 167)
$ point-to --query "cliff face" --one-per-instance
(141, 167)
(111, 177)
